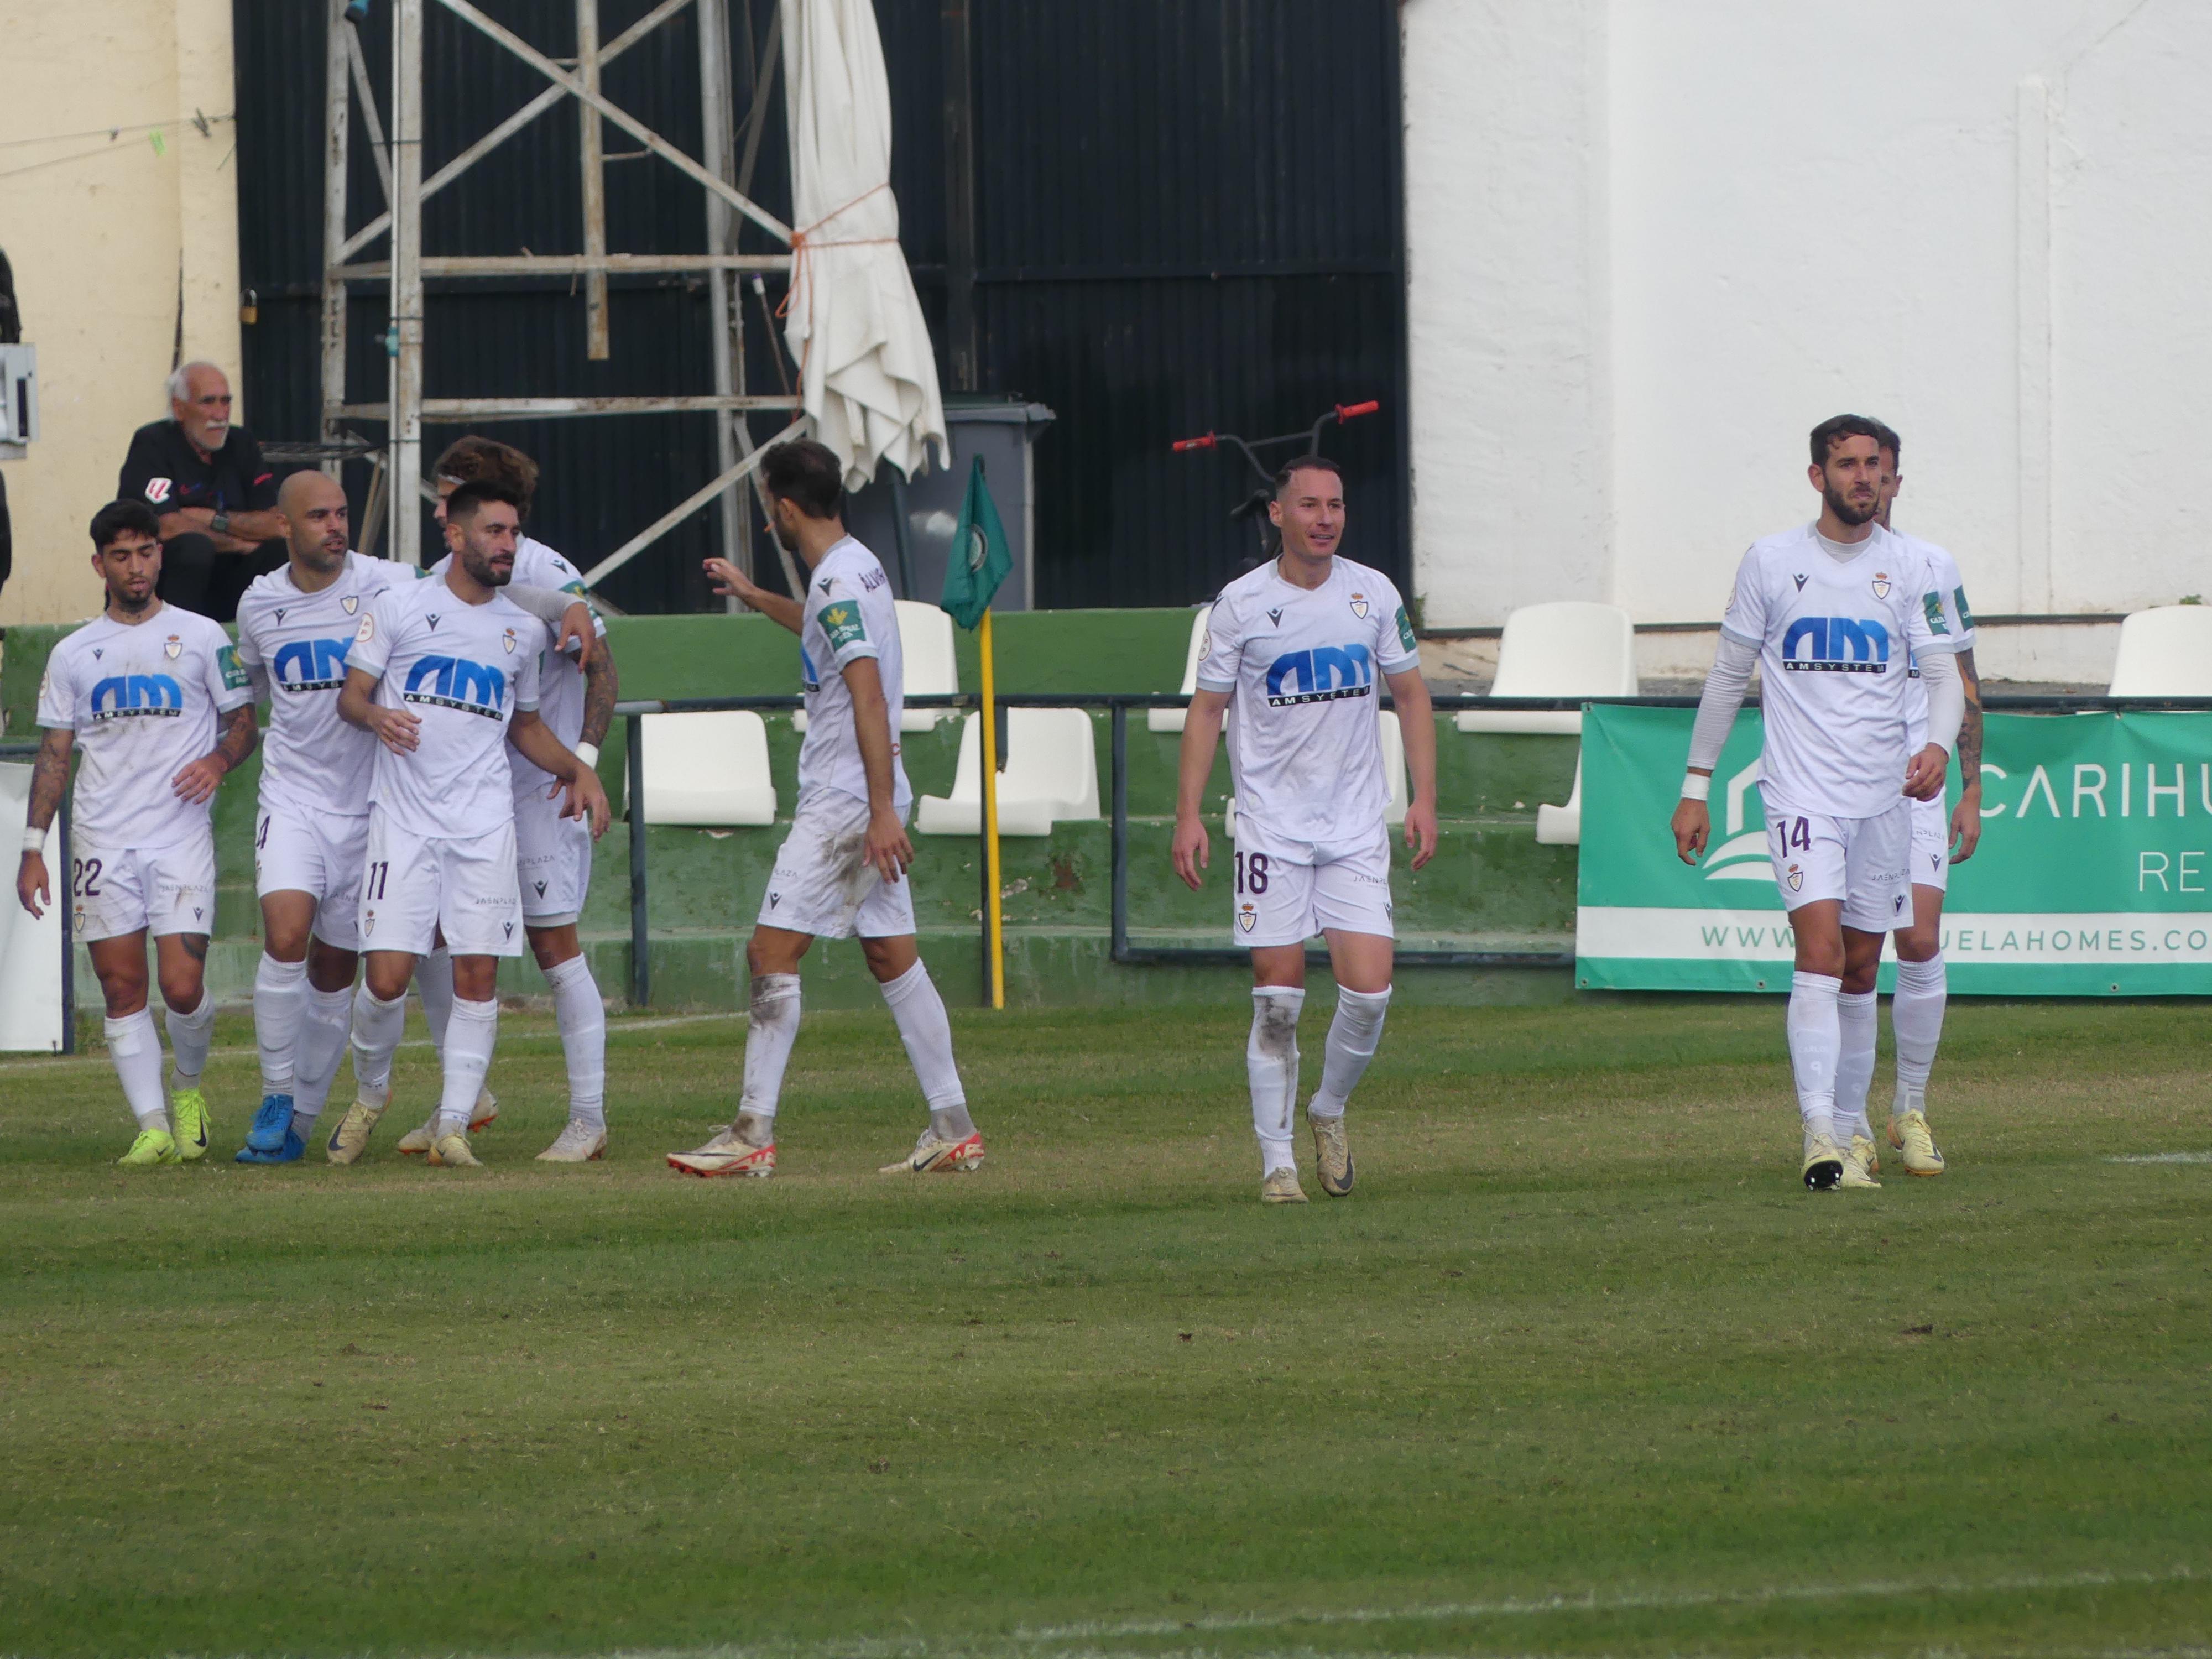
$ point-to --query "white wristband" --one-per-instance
(1697, 786)
(589, 753)
(34, 840)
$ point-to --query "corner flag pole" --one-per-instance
(993, 920)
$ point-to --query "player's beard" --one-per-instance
(481, 568)
(130, 606)
(1848, 512)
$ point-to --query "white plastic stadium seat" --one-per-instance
(1171, 720)
(931, 669)
(1569, 649)
(1562, 826)
(1393, 773)
(709, 769)
(1051, 776)
(2166, 651)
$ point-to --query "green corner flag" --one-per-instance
(979, 558)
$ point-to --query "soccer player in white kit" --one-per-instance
(445, 673)
(295, 628)
(1293, 652)
(156, 700)
(840, 872)
(1940, 840)
(577, 700)
(1832, 613)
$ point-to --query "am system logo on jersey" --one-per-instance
(474, 688)
(1326, 672)
(129, 696)
(312, 665)
(1836, 645)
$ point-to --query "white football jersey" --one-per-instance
(560, 681)
(1835, 640)
(848, 613)
(1957, 614)
(143, 700)
(1301, 666)
(463, 670)
(296, 644)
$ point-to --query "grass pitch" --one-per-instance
(1578, 1368)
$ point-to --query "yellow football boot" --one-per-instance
(153, 1147)
(1910, 1135)
(188, 1110)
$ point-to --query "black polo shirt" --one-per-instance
(163, 470)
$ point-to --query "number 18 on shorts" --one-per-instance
(1288, 891)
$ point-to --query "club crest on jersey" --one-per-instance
(172, 647)
(1247, 917)
(1795, 880)
(350, 604)
(1881, 584)
(509, 641)
(1359, 606)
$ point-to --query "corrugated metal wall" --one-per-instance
(1187, 217)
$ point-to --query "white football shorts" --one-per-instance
(554, 858)
(1287, 890)
(823, 882)
(1931, 844)
(163, 890)
(1863, 861)
(413, 886)
(320, 854)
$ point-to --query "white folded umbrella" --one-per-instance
(867, 374)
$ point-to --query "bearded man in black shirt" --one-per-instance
(215, 497)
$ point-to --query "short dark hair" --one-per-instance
(808, 475)
(1305, 463)
(1885, 436)
(486, 460)
(465, 501)
(1836, 427)
(117, 516)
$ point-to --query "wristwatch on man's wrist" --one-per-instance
(221, 524)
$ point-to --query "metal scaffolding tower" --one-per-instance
(399, 160)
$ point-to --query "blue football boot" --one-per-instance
(291, 1151)
(271, 1124)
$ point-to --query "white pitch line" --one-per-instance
(2161, 1157)
(1593, 1602)
(616, 1028)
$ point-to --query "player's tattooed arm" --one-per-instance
(49, 777)
(1966, 816)
(602, 688)
(195, 781)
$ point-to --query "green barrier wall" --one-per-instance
(1490, 887)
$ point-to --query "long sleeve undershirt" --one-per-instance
(1729, 682)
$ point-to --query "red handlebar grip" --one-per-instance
(1352, 411)
(1182, 444)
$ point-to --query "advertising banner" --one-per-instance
(2094, 876)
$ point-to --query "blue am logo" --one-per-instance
(1836, 645)
(137, 696)
(1321, 675)
(474, 688)
(312, 665)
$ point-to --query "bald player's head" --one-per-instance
(314, 510)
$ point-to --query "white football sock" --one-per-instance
(1856, 1018)
(434, 983)
(1916, 1017)
(377, 1025)
(919, 1013)
(280, 997)
(582, 1014)
(772, 1028)
(1815, 1041)
(136, 1047)
(1271, 1065)
(191, 1036)
(321, 1052)
(1352, 1037)
(470, 1035)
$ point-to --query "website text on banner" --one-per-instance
(2094, 876)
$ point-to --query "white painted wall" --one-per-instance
(1651, 242)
